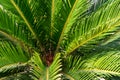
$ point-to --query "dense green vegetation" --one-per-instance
(59, 40)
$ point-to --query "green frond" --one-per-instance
(103, 65)
(28, 19)
(7, 5)
(24, 18)
(12, 30)
(75, 9)
(70, 71)
(113, 37)
(12, 58)
(103, 20)
(13, 69)
(107, 42)
(43, 72)
(26, 12)
(55, 9)
(10, 53)
(19, 76)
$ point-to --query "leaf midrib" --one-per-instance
(95, 35)
(24, 18)
(28, 25)
(65, 25)
(52, 16)
(68, 76)
(47, 74)
(96, 70)
(14, 40)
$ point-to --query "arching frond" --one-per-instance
(103, 65)
(112, 38)
(70, 71)
(72, 11)
(12, 59)
(23, 9)
(12, 69)
(105, 19)
(19, 76)
(43, 72)
(28, 12)
(11, 29)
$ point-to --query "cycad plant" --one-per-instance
(59, 40)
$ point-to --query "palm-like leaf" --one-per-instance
(104, 65)
(43, 72)
(86, 31)
(75, 10)
(52, 30)
(12, 30)
(12, 60)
